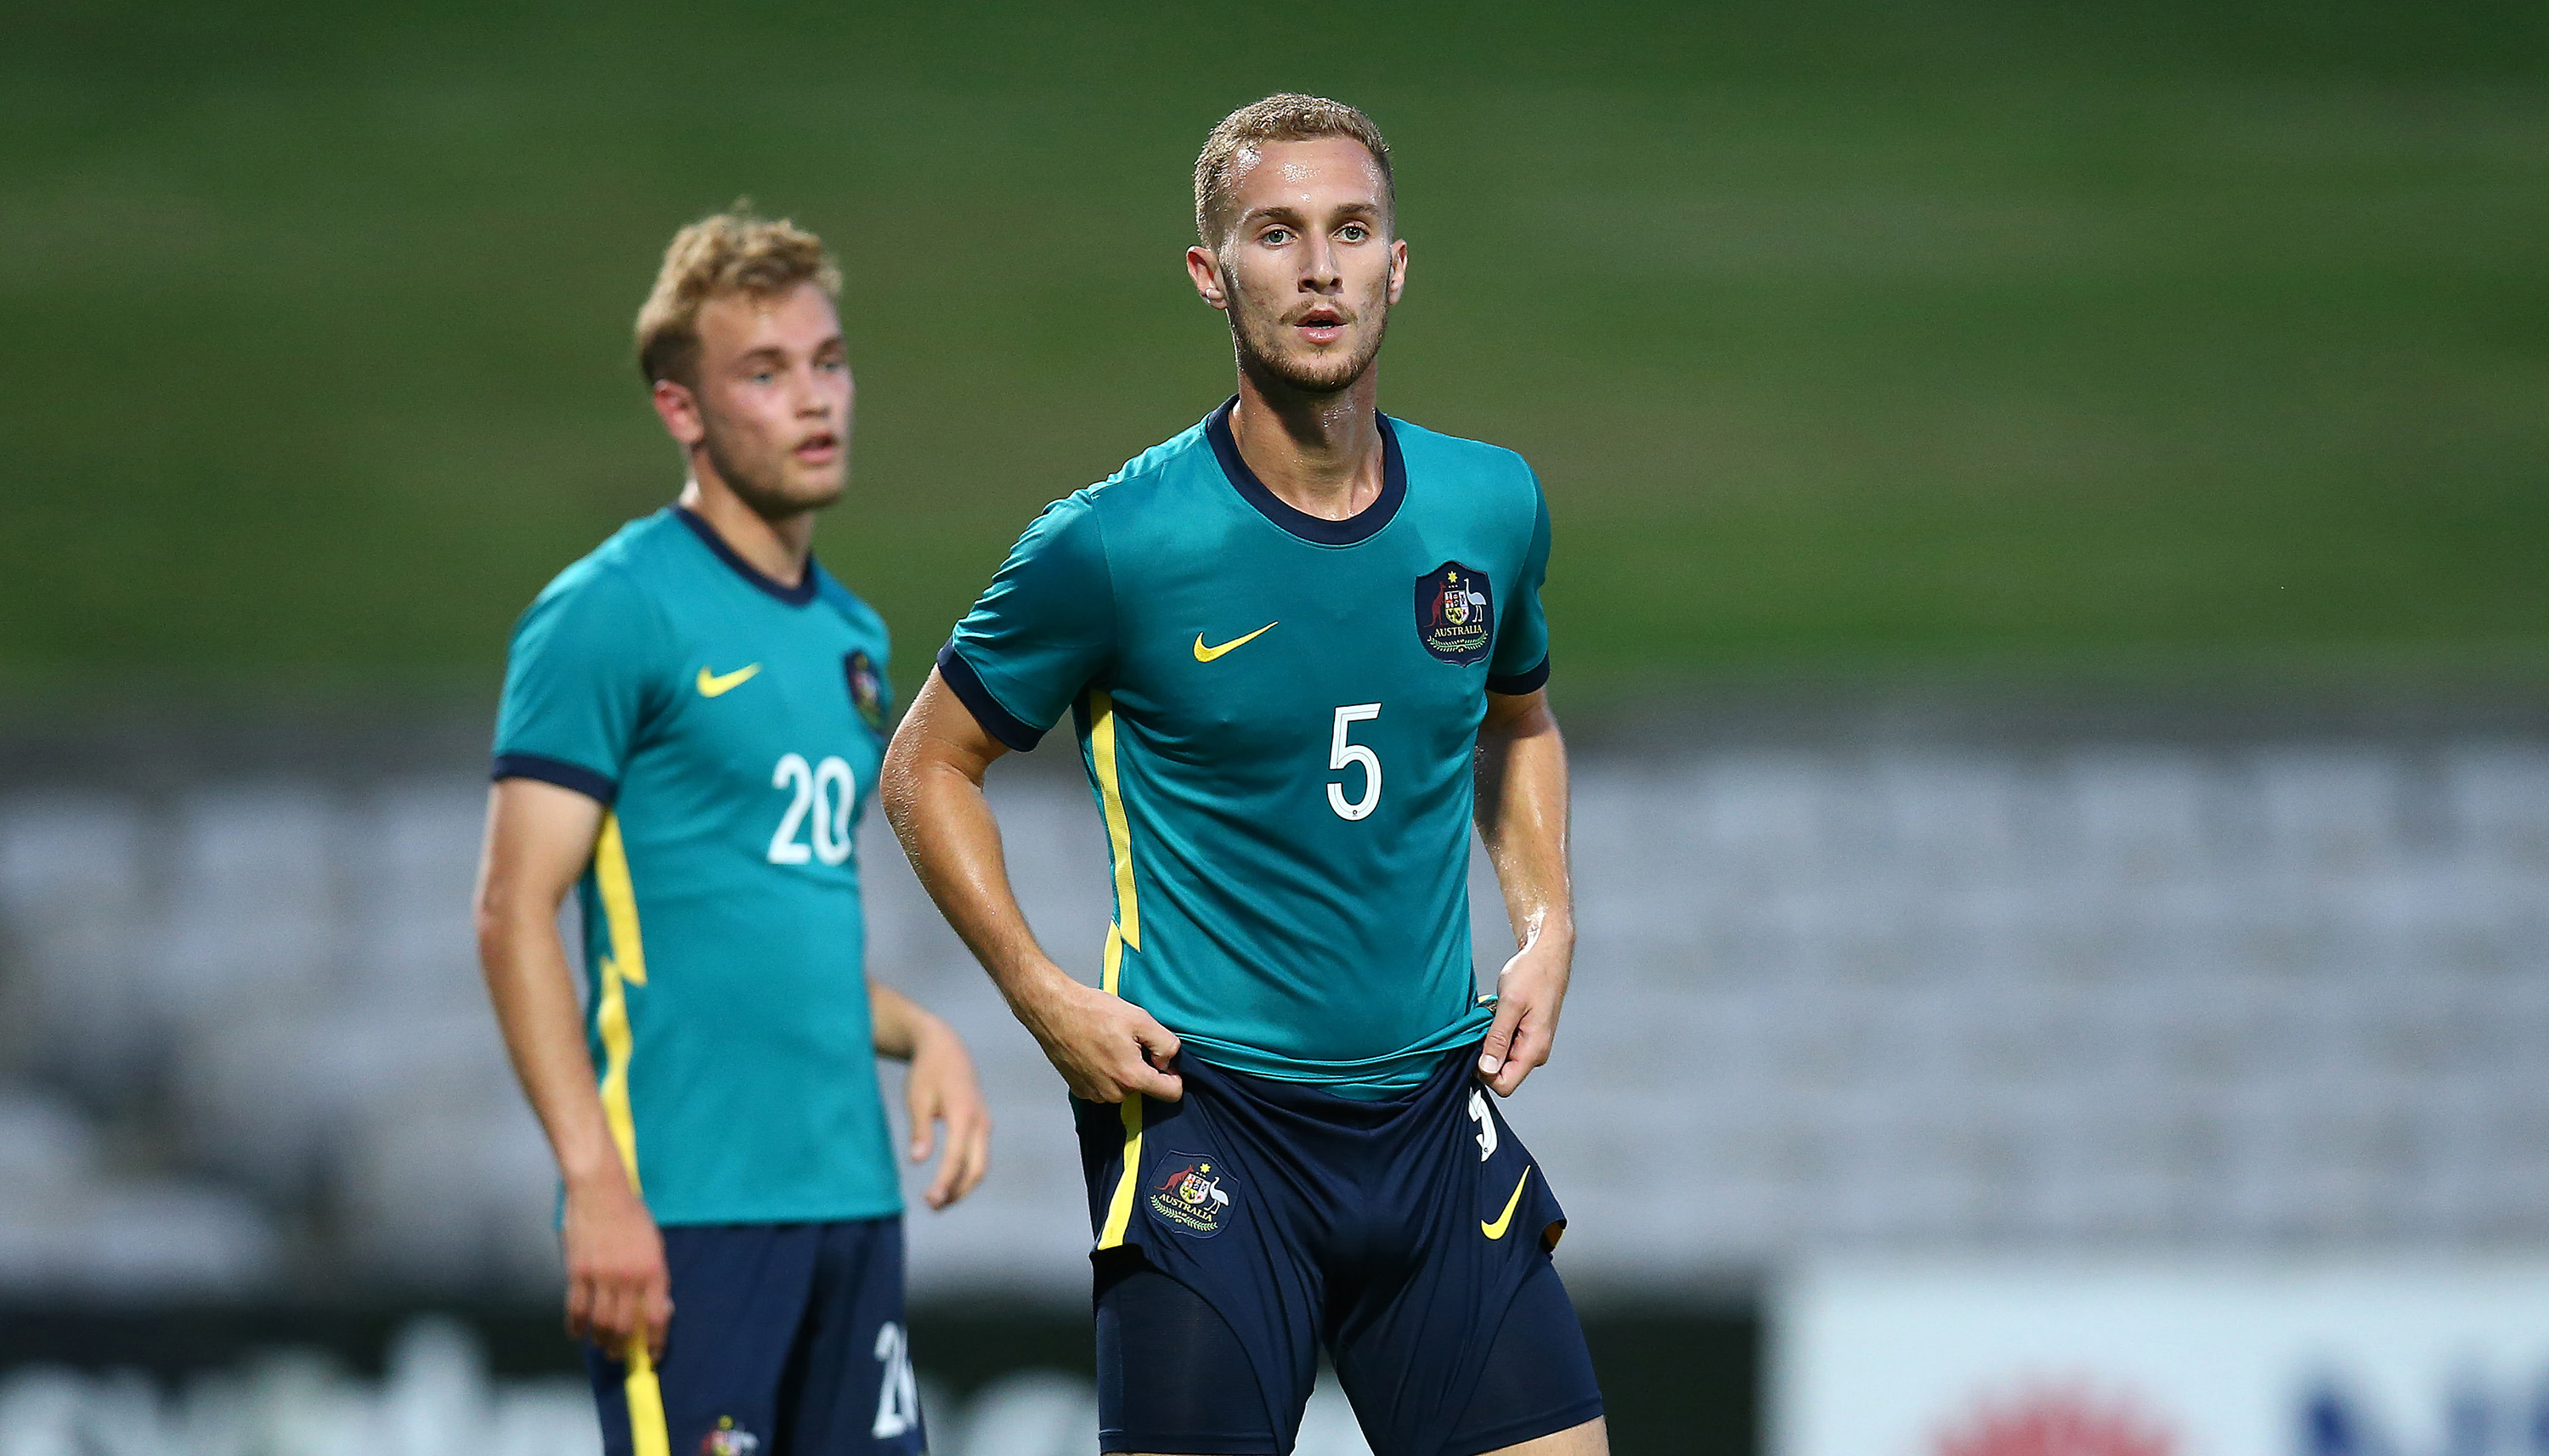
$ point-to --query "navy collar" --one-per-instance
(797, 595)
(1363, 525)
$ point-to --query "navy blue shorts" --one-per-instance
(1248, 1226)
(788, 1339)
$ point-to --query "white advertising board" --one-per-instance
(2179, 1358)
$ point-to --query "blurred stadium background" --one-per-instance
(2051, 603)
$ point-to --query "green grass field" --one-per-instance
(1915, 339)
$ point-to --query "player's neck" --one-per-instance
(778, 549)
(1320, 454)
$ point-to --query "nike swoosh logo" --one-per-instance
(1504, 1219)
(714, 685)
(1205, 654)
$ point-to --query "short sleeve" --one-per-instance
(1043, 630)
(578, 679)
(1521, 661)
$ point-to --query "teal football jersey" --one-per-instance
(1278, 715)
(734, 728)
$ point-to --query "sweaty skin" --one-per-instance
(765, 431)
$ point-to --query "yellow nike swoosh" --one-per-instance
(1205, 654)
(1504, 1219)
(714, 685)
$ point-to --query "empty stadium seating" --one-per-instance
(2283, 994)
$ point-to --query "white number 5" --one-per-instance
(1342, 755)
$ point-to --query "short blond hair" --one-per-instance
(734, 251)
(1287, 116)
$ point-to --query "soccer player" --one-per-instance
(1301, 646)
(692, 716)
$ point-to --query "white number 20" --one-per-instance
(1343, 755)
(826, 794)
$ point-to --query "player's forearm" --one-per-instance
(1522, 812)
(947, 829)
(533, 992)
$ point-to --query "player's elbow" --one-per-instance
(496, 913)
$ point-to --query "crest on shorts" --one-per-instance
(728, 1439)
(1190, 1192)
(867, 689)
(1455, 618)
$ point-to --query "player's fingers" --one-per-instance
(969, 1135)
(1161, 1044)
(1529, 1050)
(658, 1303)
(1154, 1083)
(1498, 1047)
(978, 1157)
(607, 1322)
(579, 1307)
(926, 1114)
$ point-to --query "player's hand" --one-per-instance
(941, 1088)
(1103, 1046)
(1529, 991)
(618, 1287)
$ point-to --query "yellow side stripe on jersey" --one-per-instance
(623, 968)
(1114, 963)
(1120, 834)
(618, 900)
(1120, 1208)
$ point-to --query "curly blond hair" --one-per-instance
(734, 251)
(1287, 116)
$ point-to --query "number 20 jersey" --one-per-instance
(1278, 714)
(734, 727)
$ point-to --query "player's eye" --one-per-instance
(761, 376)
(1354, 232)
(1276, 236)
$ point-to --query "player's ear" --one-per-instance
(1397, 268)
(679, 408)
(1205, 270)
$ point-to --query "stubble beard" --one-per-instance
(764, 486)
(1258, 336)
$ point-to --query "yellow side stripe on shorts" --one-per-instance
(648, 1431)
(1120, 1208)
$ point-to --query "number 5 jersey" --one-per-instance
(1278, 714)
(732, 729)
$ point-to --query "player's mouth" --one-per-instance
(1321, 326)
(819, 448)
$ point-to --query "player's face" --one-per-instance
(1307, 270)
(773, 403)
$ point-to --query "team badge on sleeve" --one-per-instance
(1454, 617)
(867, 690)
(1187, 1192)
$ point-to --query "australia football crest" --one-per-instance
(1455, 618)
(1191, 1191)
(867, 690)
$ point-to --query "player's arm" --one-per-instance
(1522, 818)
(539, 838)
(932, 791)
(939, 1088)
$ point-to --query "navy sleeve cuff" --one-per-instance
(997, 721)
(558, 772)
(1531, 681)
